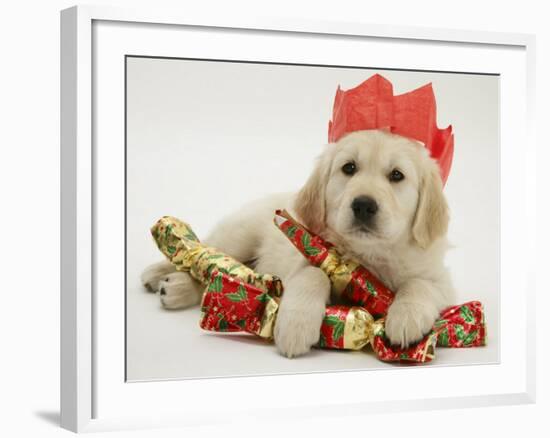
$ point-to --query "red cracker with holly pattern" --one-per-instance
(460, 326)
(230, 305)
(348, 278)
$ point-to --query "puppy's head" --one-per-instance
(375, 187)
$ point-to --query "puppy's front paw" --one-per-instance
(179, 290)
(407, 323)
(297, 331)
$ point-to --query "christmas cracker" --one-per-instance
(230, 305)
(348, 278)
(177, 241)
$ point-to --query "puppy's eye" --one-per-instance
(349, 168)
(396, 176)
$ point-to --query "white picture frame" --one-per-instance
(94, 395)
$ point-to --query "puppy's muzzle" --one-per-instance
(364, 209)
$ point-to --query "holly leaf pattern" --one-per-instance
(470, 337)
(222, 325)
(291, 231)
(338, 331)
(308, 249)
(467, 315)
(239, 296)
(371, 288)
(263, 298)
(331, 320)
(232, 268)
(168, 231)
(209, 270)
(443, 338)
(215, 284)
(337, 326)
(459, 331)
(222, 269)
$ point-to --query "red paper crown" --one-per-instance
(372, 105)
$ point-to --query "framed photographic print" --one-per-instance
(402, 153)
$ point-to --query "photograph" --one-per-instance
(298, 218)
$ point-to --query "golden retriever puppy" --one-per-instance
(378, 197)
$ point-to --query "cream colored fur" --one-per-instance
(405, 248)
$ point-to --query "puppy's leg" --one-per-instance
(178, 290)
(416, 307)
(152, 275)
(301, 311)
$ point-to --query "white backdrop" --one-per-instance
(30, 191)
(205, 137)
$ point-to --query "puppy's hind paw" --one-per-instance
(179, 290)
(153, 274)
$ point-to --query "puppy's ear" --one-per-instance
(309, 204)
(432, 214)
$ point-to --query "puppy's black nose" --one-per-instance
(364, 208)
